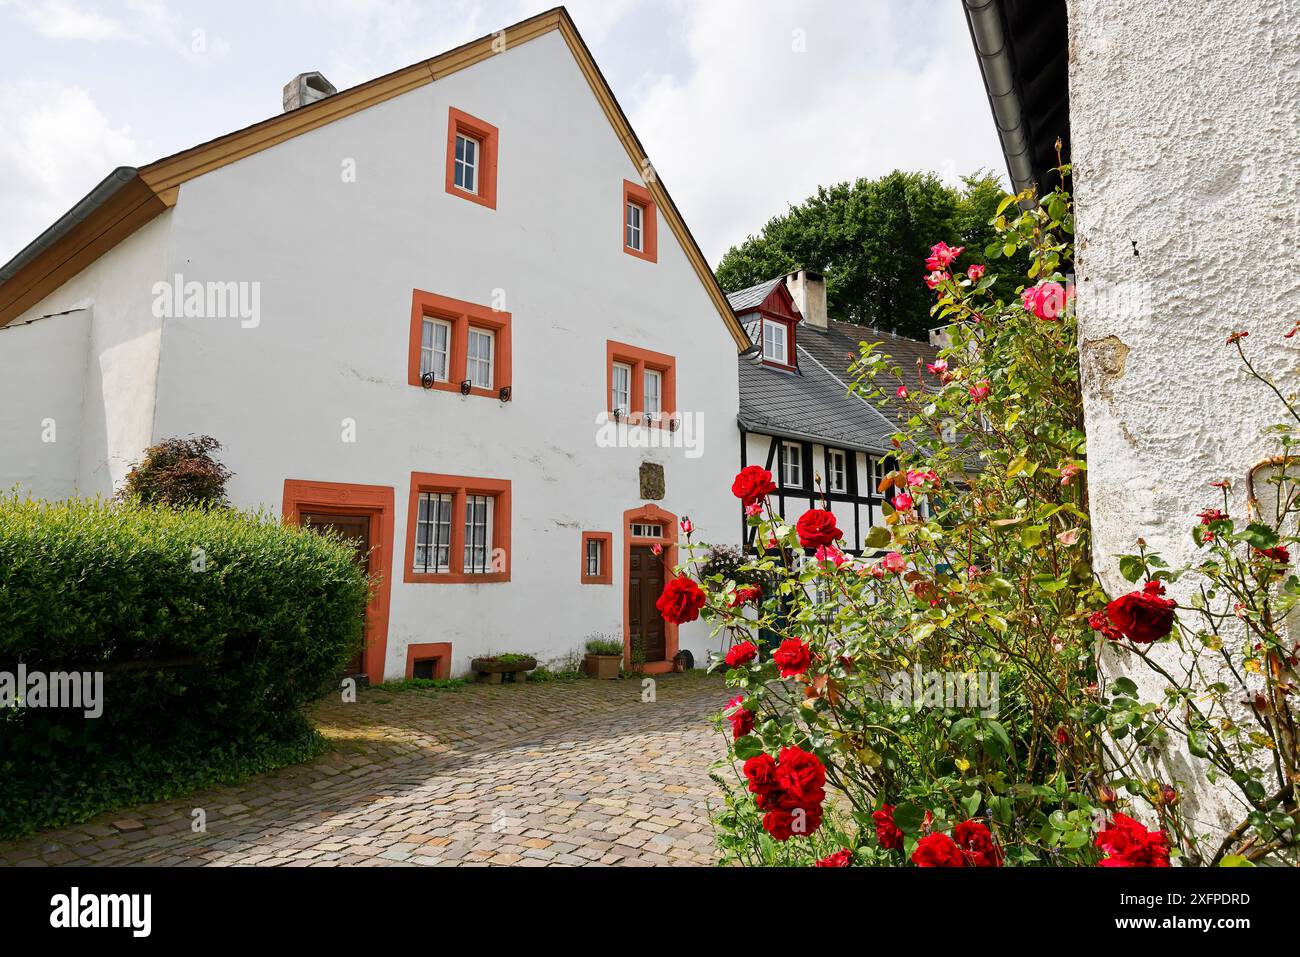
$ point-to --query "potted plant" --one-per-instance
(604, 657)
(491, 668)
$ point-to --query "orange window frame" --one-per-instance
(635, 193)
(459, 486)
(640, 360)
(606, 576)
(462, 316)
(489, 137)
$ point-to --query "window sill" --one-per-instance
(454, 578)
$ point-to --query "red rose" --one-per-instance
(681, 601)
(817, 527)
(760, 772)
(801, 822)
(1128, 844)
(937, 850)
(1278, 554)
(977, 844)
(792, 657)
(741, 718)
(839, 859)
(889, 836)
(741, 654)
(745, 593)
(753, 484)
(1143, 616)
(801, 778)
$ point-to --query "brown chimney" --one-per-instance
(306, 88)
(808, 289)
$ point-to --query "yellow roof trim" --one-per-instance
(160, 181)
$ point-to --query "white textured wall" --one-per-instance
(337, 263)
(120, 366)
(42, 374)
(1185, 144)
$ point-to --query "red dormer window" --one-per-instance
(774, 332)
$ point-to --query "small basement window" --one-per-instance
(425, 668)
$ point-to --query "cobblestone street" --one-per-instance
(579, 772)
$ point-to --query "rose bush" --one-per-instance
(983, 567)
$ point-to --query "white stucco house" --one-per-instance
(406, 311)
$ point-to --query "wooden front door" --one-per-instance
(645, 585)
(356, 530)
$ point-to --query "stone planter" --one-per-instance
(490, 670)
(603, 666)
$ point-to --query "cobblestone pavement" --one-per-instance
(580, 772)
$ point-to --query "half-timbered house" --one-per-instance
(825, 446)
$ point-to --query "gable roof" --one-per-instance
(128, 198)
(810, 402)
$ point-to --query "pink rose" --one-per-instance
(975, 272)
(1045, 301)
(894, 562)
(903, 502)
(942, 255)
(979, 391)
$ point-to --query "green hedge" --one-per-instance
(213, 629)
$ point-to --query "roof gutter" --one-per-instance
(96, 198)
(988, 33)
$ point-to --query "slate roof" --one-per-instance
(814, 402)
(754, 296)
(840, 344)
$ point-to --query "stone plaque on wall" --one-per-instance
(652, 482)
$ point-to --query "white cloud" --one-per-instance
(757, 124)
(66, 20)
(149, 22)
(55, 145)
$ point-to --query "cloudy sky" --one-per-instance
(744, 106)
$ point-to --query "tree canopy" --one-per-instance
(870, 238)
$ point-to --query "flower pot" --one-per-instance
(603, 666)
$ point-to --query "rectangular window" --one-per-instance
(837, 478)
(774, 342)
(791, 464)
(478, 362)
(621, 387)
(435, 348)
(433, 533)
(466, 163)
(478, 534)
(879, 469)
(641, 530)
(635, 218)
(596, 559)
(653, 393)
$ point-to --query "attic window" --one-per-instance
(776, 337)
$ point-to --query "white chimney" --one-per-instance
(808, 289)
(306, 88)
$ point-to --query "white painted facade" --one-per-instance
(1184, 142)
(336, 263)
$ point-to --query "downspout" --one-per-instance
(988, 33)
